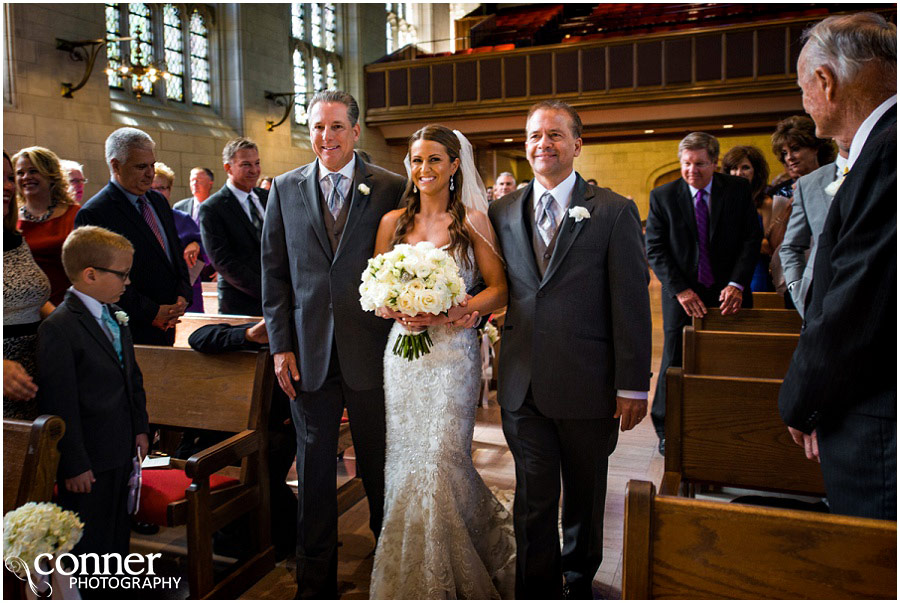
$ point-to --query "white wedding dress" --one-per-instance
(445, 535)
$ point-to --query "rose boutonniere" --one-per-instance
(832, 188)
(363, 189)
(122, 317)
(579, 213)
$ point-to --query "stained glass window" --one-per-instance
(299, 87)
(316, 24)
(314, 39)
(330, 27)
(174, 47)
(331, 82)
(317, 75)
(113, 48)
(399, 30)
(297, 21)
(200, 88)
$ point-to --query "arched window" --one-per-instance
(199, 59)
(400, 29)
(183, 50)
(174, 45)
(316, 60)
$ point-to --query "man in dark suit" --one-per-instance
(201, 187)
(231, 223)
(575, 359)
(160, 290)
(703, 240)
(839, 396)
(318, 234)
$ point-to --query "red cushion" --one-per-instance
(159, 487)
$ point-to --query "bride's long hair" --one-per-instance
(459, 234)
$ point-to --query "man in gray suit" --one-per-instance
(812, 198)
(318, 234)
(201, 188)
(575, 359)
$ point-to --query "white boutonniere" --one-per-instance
(364, 189)
(832, 188)
(579, 213)
(122, 317)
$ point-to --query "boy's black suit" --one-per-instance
(104, 407)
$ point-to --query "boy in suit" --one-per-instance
(90, 379)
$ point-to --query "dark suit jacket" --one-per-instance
(81, 380)
(846, 359)
(233, 247)
(155, 279)
(583, 330)
(734, 237)
(310, 294)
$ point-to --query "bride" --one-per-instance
(444, 534)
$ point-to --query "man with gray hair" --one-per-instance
(231, 223)
(504, 184)
(74, 172)
(703, 238)
(839, 397)
(158, 289)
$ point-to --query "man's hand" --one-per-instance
(631, 411)
(257, 333)
(142, 444)
(809, 443)
(287, 372)
(17, 383)
(190, 253)
(168, 314)
(730, 299)
(81, 484)
(691, 303)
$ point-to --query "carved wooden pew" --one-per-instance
(30, 458)
(726, 431)
(750, 320)
(763, 355)
(682, 548)
(226, 392)
(768, 301)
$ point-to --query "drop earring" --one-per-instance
(452, 186)
(415, 189)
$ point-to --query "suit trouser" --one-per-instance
(317, 418)
(859, 465)
(675, 319)
(544, 449)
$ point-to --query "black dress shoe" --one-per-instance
(142, 527)
(662, 446)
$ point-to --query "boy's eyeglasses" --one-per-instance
(120, 274)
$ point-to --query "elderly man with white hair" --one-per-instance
(158, 289)
(74, 172)
(839, 396)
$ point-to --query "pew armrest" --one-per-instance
(671, 483)
(221, 455)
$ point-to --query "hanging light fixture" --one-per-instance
(139, 69)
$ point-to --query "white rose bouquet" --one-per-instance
(412, 279)
(36, 528)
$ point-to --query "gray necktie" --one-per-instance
(335, 199)
(255, 218)
(547, 217)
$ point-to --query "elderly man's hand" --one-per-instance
(631, 411)
(809, 443)
(691, 303)
(287, 372)
(730, 298)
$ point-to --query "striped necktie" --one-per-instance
(255, 218)
(150, 219)
(547, 217)
(335, 199)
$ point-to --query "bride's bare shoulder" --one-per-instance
(477, 219)
(390, 218)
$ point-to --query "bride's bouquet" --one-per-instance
(412, 279)
(34, 529)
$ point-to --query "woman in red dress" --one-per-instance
(46, 214)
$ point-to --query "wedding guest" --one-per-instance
(327, 350)
(201, 183)
(800, 151)
(748, 162)
(89, 377)
(74, 172)
(265, 183)
(698, 266)
(188, 234)
(160, 290)
(839, 397)
(46, 212)
(25, 292)
(504, 184)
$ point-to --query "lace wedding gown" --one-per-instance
(445, 535)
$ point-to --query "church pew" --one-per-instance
(191, 321)
(682, 548)
(750, 320)
(726, 431)
(763, 355)
(771, 301)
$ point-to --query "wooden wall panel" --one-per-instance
(709, 57)
(490, 78)
(442, 74)
(466, 81)
(770, 51)
(649, 64)
(398, 88)
(541, 74)
(621, 66)
(678, 61)
(739, 54)
(567, 71)
(593, 69)
(516, 78)
(375, 89)
(420, 86)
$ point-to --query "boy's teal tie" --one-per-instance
(114, 331)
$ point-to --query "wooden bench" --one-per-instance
(191, 321)
(771, 301)
(226, 392)
(763, 355)
(30, 458)
(681, 548)
(750, 320)
(726, 431)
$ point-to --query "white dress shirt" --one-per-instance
(95, 308)
(346, 182)
(242, 197)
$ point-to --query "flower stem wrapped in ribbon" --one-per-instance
(412, 279)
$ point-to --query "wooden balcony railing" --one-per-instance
(742, 61)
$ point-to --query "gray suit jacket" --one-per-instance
(311, 295)
(798, 250)
(185, 205)
(583, 330)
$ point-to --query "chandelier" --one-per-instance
(140, 69)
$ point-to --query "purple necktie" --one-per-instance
(704, 268)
